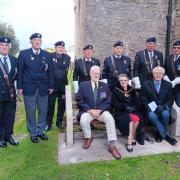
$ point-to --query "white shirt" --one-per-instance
(87, 59)
(8, 61)
(34, 51)
(93, 84)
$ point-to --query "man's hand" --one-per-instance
(20, 92)
(51, 91)
(94, 112)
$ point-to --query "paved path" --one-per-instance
(98, 150)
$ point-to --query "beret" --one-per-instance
(59, 43)
(88, 47)
(35, 35)
(118, 43)
(4, 39)
(151, 39)
(176, 43)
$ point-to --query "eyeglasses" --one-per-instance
(176, 47)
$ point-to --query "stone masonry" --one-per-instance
(102, 22)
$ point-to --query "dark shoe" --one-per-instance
(115, 153)
(12, 141)
(129, 147)
(43, 137)
(140, 138)
(92, 127)
(34, 139)
(133, 142)
(3, 144)
(48, 128)
(60, 125)
(171, 140)
(158, 138)
(87, 142)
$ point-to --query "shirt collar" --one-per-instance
(1, 56)
(34, 51)
(149, 52)
(156, 82)
(118, 57)
(87, 59)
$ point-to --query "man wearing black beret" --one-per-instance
(145, 61)
(61, 63)
(116, 64)
(82, 67)
(172, 67)
(35, 82)
(8, 70)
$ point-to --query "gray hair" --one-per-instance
(158, 68)
(123, 75)
(95, 68)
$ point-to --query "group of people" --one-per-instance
(116, 97)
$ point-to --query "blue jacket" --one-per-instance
(4, 90)
(35, 72)
(85, 98)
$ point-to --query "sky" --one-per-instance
(54, 19)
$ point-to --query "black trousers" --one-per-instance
(51, 107)
(7, 118)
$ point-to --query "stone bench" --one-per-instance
(72, 109)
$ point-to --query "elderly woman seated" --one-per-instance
(127, 117)
(157, 97)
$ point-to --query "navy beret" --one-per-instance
(59, 43)
(4, 39)
(177, 43)
(88, 47)
(118, 43)
(35, 35)
(151, 39)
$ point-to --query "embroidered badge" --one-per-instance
(102, 95)
(55, 60)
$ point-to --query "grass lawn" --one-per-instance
(39, 161)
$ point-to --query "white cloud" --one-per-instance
(54, 19)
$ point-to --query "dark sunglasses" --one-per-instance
(176, 47)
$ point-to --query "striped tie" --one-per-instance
(5, 64)
(95, 91)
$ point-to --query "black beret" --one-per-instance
(35, 35)
(177, 43)
(151, 39)
(4, 39)
(118, 43)
(88, 47)
(59, 43)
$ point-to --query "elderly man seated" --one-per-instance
(94, 99)
(157, 97)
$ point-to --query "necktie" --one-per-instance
(5, 64)
(36, 53)
(95, 93)
(157, 85)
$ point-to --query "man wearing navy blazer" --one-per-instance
(157, 97)
(82, 67)
(8, 72)
(35, 82)
(172, 67)
(94, 99)
(145, 61)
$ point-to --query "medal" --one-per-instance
(32, 58)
